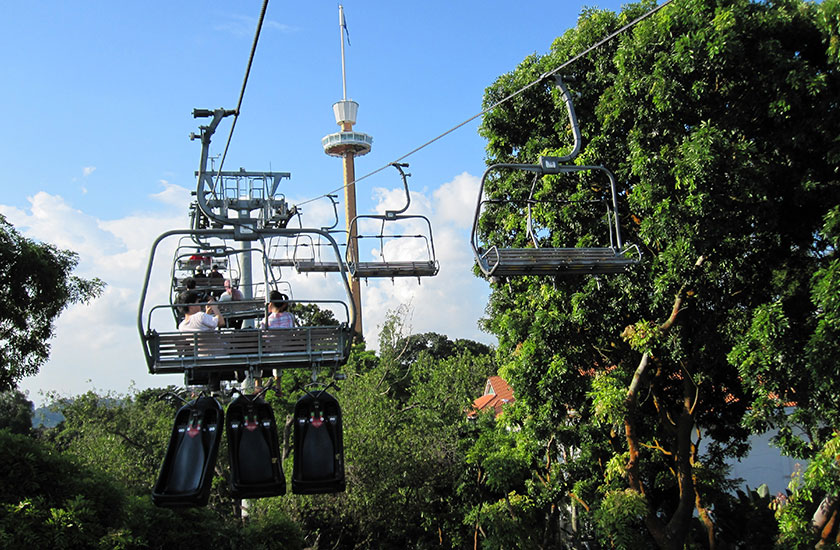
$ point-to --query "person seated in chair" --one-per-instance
(216, 281)
(231, 294)
(196, 320)
(279, 316)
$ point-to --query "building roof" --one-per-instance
(497, 392)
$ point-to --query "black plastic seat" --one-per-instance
(319, 446)
(253, 448)
(188, 466)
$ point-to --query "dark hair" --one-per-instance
(188, 297)
(278, 299)
(189, 282)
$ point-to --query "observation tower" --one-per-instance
(347, 145)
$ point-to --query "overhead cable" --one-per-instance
(503, 100)
(242, 91)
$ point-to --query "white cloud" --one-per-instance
(173, 195)
(456, 200)
(88, 170)
(96, 345)
(452, 301)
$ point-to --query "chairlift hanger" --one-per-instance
(495, 261)
(424, 267)
(315, 263)
(287, 259)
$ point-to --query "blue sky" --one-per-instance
(96, 157)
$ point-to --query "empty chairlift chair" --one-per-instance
(314, 255)
(423, 262)
(497, 261)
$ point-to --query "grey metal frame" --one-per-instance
(423, 268)
(251, 347)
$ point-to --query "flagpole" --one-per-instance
(342, 25)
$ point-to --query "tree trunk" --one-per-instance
(287, 435)
(668, 536)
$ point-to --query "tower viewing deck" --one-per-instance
(346, 141)
(340, 143)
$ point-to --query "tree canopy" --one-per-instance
(720, 119)
(38, 284)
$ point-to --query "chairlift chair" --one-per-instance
(191, 255)
(424, 266)
(221, 354)
(496, 261)
(308, 257)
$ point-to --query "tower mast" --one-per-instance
(347, 145)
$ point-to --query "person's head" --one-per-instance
(189, 283)
(188, 300)
(215, 269)
(199, 271)
(279, 301)
(228, 286)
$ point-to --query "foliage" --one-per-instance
(38, 285)
(269, 528)
(312, 315)
(747, 512)
(15, 412)
(404, 426)
(122, 436)
(720, 119)
(821, 478)
(48, 501)
(620, 519)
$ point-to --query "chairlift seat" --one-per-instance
(282, 262)
(187, 471)
(313, 266)
(238, 349)
(506, 262)
(364, 270)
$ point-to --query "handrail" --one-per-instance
(258, 303)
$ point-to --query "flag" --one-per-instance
(343, 23)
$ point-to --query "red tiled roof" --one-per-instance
(497, 392)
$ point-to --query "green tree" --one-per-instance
(404, 431)
(48, 501)
(124, 436)
(794, 358)
(720, 120)
(15, 412)
(38, 285)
